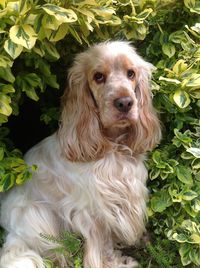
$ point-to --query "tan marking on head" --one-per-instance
(124, 61)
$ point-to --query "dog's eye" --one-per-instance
(99, 78)
(131, 74)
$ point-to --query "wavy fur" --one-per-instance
(91, 178)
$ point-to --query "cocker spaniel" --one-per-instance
(91, 176)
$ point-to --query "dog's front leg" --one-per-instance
(93, 255)
(95, 236)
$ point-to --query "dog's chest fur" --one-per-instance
(111, 190)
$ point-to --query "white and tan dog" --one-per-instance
(91, 178)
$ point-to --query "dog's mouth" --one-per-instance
(116, 119)
(123, 120)
(123, 117)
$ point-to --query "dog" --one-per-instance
(91, 176)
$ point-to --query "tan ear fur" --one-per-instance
(80, 130)
(146, 132)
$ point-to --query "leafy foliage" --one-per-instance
(174, 166)
(38, 35)
(70, 246)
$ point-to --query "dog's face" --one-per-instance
(108, 102)
(113, 84)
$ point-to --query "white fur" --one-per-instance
(73, 196)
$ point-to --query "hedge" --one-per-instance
(38, 40)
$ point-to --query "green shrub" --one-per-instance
(36, 36)
(70, 246)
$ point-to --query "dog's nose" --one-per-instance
(123, 104)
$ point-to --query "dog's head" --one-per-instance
(108, 102)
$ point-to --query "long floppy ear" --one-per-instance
(80, 130)
(147, 131)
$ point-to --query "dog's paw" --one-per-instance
(25, 261)
(128, 262)
(117, 260)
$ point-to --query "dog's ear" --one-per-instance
(80, 129)
(147, 131)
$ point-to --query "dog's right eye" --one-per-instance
(131, 74)
(99, 78)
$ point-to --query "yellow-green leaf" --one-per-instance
(189, 3)
(50, 50)
(75, 34)
(59, 34)
(194, 81)
(2, 3)
(180, 67)
(196, 28)
(154, 173)
(3, 119)
(48, 263)
(31, 93)
(181, 238)
(178, 37)
(142, 29)
(192, 5)
(1, 153)
(50, 22)
(144, 14)
(194, 151)
(5, 107)
(190, 195)
(6, 74)
(24, 6)
(195, 238)
(184, 174)
(7, 182)
(114, 21)
(104, 12)
(8, 88)
(61, 14)
(13, 6)
(12, 49)
(86, 12)
(39, 51)
(3, 13)
(88, 3)
(5, 62)
(23, 35)
(160, 201)
(170, 80)
(181, 98)
(29, 83)
(195, 94)
(20, 179)
(168, 49)
(31, 19)
(196, 164)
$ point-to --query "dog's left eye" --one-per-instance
(99, 77)
(131, 74)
